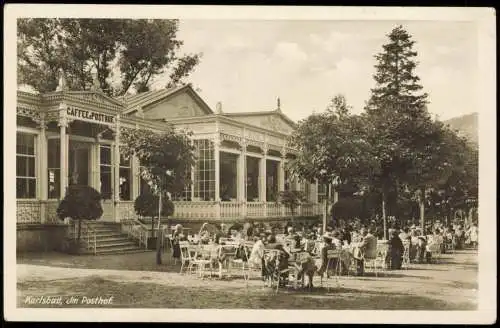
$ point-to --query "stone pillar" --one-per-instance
(281, 182)
(63, 124)
(217, 174)
(116, 169)
(134, 161)
(42, 173)
(263, 179)
(242, 176)
(316, 188)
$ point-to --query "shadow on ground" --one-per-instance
(150, 295)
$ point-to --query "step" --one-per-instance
(116, 243)
(101, 240)
(123, 250)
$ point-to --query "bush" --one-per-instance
(80, 203)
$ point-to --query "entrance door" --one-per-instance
(79, 163)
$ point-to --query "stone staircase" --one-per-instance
(109, 239)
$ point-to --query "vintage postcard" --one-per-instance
(249, 164)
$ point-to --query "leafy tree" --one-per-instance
(165, 158)
(148, 204)
(332, 147)
(397, 114)
(80, 203)
(132, 52)
(292, 199)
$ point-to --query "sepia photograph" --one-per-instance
(254, 159)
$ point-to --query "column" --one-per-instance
(116, 170)
(242, 176)
(263, 180)
(42, 173)
(316, 188)
(134, 161)
(281, 181)
(63, 124)
(217, 174)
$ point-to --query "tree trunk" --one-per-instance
(325, 214)
(159, 238)
(79, 232)
(384, 218)
(421, 204)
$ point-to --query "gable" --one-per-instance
(272, 121)
(182, 104)
(94, 97)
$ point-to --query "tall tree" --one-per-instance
(397, 113)
(127, 54)
(165, 158)
(332, 147)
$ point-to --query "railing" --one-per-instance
(195, 209)
(231, 209)
(90, 233)
(274, 209)
(87, 234)
(137, 230)
(256, 209)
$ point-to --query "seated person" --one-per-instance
(336, 239)
(368, 248)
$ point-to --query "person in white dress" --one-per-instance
(472, 234)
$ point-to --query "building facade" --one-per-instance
(73, 137)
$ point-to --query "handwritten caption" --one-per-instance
(68, 300)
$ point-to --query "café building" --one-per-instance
(73, 137)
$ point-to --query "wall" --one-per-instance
(40, 238)
(181, 105)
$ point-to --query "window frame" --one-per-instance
(36, 163)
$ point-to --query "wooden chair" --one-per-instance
(406, 255)
(186, 256)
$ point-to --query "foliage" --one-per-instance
(147, 204)
(332, 146)
(131, 52)
(292, 199)
(80, 203)
(165, 158)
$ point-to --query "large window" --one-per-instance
(106, 170)
(204, 174)
(125, 179)
(185, 194)
(25, 166)
(53, 168)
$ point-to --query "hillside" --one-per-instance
(466, 125)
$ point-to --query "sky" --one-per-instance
(247, 64)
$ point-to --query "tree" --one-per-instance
(131, 52)
(165, 158)
(292, 199)
(80, 203)
(148, 204)
(332, 147)
(397, 114)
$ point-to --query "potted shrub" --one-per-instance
(80, 203)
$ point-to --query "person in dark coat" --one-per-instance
(396, 251)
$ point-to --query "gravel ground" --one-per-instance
(134, 280)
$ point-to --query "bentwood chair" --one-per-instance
(406, 255)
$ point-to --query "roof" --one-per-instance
(150, 97)
(263, 113)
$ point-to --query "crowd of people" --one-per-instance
(289, 239)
